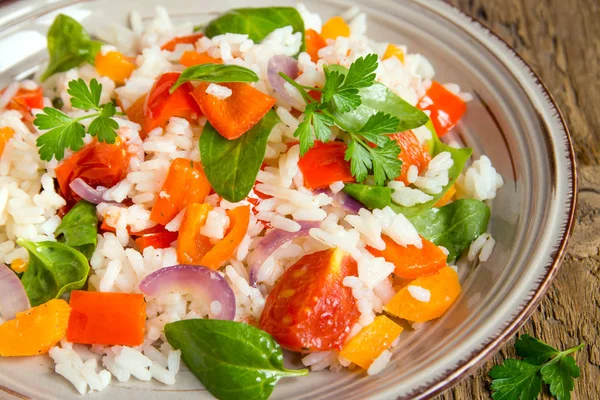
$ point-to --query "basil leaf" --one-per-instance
(233, 360)
(53, 269)
(374, 99)
(257, 23)
(69, 46)
(79, 227)
(370, 196)
(231, 166)
(215, 73)
(454, 226)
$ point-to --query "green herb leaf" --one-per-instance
(231, 166)
(257, 23)
(454, 226)
(534, 351)
(559, 374)
(377, 125)
(65, 132)
(215, 73)
(371, 197)
(69, 46)
(233, 360)
(360, 159)
(104, 127)
(53, 269)
(342, 89)
(386, 165)
(516, 380)
(84, 97)
(79, 228)
(305, 134)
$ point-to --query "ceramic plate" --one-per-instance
(513, 120)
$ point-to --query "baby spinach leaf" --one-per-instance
(454, 226)
(370, 196)
(233, 360)
(231, 166)
(257, 23)
(69, 46)
(215, 73)
(53, 269)
(79, 227)
(378, 98)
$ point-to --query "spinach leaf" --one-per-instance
(79, 227)
(231, 166)
(233, 360)
(257, 23)
(53, 269)
(215, 73)
(378, 98)
(69, 46)
(454, 226)
(370, 196)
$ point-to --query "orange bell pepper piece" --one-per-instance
(334, 28)
(444, 288)
(107, 318)
(410, 261)
(445, 108)
(115, 66)
(36, 330)
(371, 341)
(235, 115)
(239, 218)
(186, 183)
(192, 246)
(412, 153)
(6, 132)
(394, 51)
(314, 43)
(447, 197)
(190, 58)
(324, 164)
(191, 39)
(135, 113)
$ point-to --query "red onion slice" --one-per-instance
(273, 240)
(86, 192)
(201, 282)
(343, 199)
(13, 298)
(288, 66)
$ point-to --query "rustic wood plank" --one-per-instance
(561, 41)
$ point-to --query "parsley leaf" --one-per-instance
(305, 134)
(342, 91)
(67, 132)
(360, 160)
(522, 380)
(386, 165)
(376, 126)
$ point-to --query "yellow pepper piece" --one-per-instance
(334, 28)
(115, 66)
(394, 51)
(18, 265)
(447, 197)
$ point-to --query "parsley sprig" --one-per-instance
(522, 379)
(369, 148)
(67, 132)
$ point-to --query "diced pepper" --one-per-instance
(18, 265)
(185, 184)
(394, 51)
(135, 113)
(324, 164)
(160, 240)
(314, 43)
(410, 261)
(445, 107)
(412, 153)
(334, 28)
(444, 289)
(239, 218)
(26, 100)
(191, 245)
(447, 197)
(191, 39)
(6, 132)
(107, 318)
(98, 164)
(115, 66)
(371, 341)
(236, 114)
(161, 105)
(36, 330)
(191, 58)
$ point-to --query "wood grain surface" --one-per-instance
(560, 39)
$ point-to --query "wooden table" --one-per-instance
(560, 39)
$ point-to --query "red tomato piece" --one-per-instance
(98, 164)
(412, 153)
(160, 105)
(309, 309)
(324, 164)
(446, 108)
(191, 39)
